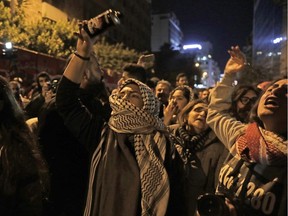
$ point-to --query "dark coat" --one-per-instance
(24, 196)
(66, 157)
(34, 106)
(116, 180)
(67, 160)
(201, 175)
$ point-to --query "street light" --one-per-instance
(8, 45)
(8, 51)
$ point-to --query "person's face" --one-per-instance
(183, 81)
(197, 117)
(43, 81)
(272, 107)
(15, 88)
(131, 93)
(245, 103)
(205, 94)
(179, 99)
(162, 92)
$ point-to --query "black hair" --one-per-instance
(42, 74)
(136, 71)
(20, 155)
(180, 75)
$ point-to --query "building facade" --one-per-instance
(134, 31)
(210, 72)
(165, 29)
(270, 37)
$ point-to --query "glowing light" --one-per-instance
(277, 40)
(259, 52)
(204, 75)
(192, 46)
(209, 56)
(8, 45)
(197, 64)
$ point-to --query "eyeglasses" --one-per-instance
(246, 100)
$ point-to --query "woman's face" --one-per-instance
(131, 93)
(272, 107)
(205, 94)
(43, 81)
(197, 117)
(179, 99)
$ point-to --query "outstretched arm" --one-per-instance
(226, 127)
(75, 69)
(84, 126)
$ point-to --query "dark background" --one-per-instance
(222, 22)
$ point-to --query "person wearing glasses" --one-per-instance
(133, 164)
(243, 98)
(253, 179)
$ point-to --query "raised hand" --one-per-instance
(236, 62)
(85, 43)
(169, 111)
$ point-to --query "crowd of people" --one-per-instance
(72, 148)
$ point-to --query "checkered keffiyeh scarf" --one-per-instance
(150, 148)
(262, 146)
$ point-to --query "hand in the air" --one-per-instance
(236, 62)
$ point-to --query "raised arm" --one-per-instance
(76, 116)
(226, 127)
(75, 69)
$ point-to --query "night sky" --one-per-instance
(222, 22)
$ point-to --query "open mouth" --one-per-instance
(271, 102)
(200, 119)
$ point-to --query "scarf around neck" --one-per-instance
(194, 142)
(262, 146)
(187, 144)
(149, 144)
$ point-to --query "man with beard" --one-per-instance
(162, 91)
(67, 159)
(243, 99)
(182, 79)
